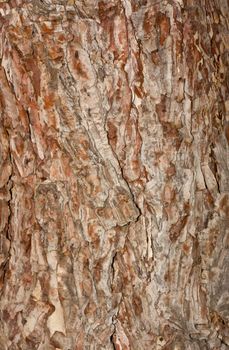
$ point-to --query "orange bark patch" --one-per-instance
(164, 24)
(45, 29)
(62, 37)
(55, 53)
(107, 13)
(31, 65)
(186, 248)
(176, 229)
(49, 101)
(92, 231)
(148, 22)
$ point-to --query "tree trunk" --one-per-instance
(114, 174)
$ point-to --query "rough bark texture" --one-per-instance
(114, 174)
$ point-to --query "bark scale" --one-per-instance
(114, 182)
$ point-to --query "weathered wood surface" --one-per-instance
(114, 174)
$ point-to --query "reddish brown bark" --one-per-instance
(114, 174)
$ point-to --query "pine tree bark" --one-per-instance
(114, 176)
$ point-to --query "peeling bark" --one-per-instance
(114, 182)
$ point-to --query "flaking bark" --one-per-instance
(114, 174)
